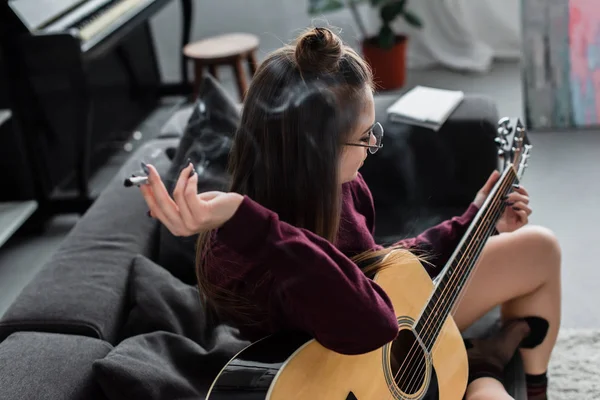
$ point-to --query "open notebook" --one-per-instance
(425, 106)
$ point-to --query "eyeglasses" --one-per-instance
(375, 135)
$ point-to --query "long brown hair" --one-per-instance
(301, 106)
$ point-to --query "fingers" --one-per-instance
(196, 203)
(180, 199)
(487, 188)
(522, 215)
(522, 206)
(164, 201)
(149, 198)
(208, 196)
(521, 189)
(517, 197)
(154, 208)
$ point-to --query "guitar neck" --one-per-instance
(459, 268)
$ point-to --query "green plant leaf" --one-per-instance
(386, 38)
(392, 10)
(323, 6)
(412, 19)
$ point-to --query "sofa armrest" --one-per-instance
(82, 289)
(49, 366)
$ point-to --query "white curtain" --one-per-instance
(461, 34)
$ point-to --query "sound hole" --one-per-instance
(408, 362)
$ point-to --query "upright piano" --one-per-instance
(81, 75)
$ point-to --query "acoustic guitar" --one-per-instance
(427, 360)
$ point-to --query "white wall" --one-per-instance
(278, 21)
(273, 21)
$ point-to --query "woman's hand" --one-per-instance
(188, 212)
(517, 210)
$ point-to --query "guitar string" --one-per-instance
(441, 303)
(436, 342)
(457, 276)
(462, 293)
(498, 208)
(412, 353)
(461, 296)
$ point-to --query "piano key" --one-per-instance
(111, 15)
(69, 20)
(36, 14)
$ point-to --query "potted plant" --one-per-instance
(386, 51)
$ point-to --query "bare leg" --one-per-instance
(486, 389)
(520, 271)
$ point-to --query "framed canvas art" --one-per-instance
(561, 63)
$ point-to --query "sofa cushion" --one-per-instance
(206, 142)
(170, 348)
(82, 288)
(161, 302)
(49, 366)
(160, 365)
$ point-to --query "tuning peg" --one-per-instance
(504, 121)
(504, 128)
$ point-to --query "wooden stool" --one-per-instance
(230, 49)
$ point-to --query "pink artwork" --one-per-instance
(584, 38)
(561, 54)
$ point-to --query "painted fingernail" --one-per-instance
(516, 208)
(145, 168)
(510, 203)
(504, 197)
(189, 161)
(192, 172)
(149, 214)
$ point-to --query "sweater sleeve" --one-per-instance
(439, 241)
(315, 287)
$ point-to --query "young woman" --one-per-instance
(279, 250)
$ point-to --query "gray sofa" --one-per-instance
(80, 329)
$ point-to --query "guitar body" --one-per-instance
(294, 366)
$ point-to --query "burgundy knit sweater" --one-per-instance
(301, 281)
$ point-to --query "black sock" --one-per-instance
(537, 386)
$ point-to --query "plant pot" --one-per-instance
(389, 65)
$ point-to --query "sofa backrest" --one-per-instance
(82, 289)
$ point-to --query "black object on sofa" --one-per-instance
(421, 177)
(106, 321)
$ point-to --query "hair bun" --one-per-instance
(318, 50)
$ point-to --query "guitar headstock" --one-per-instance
(513, 153)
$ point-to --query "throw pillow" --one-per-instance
(161, 302)
(206, 142)
(160, 365)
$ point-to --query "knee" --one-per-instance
(545, 244)
(486, 389)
